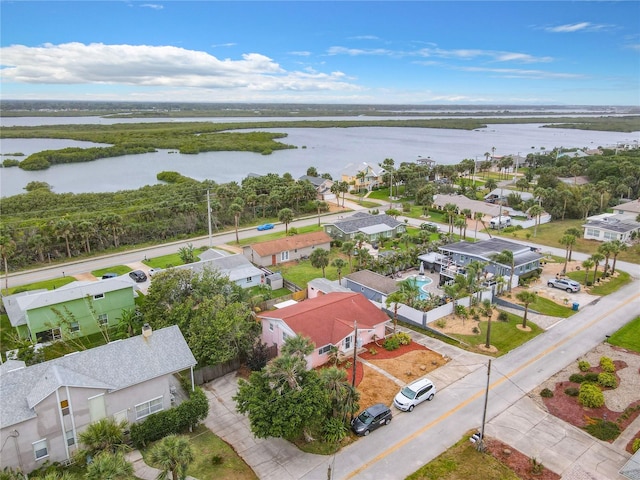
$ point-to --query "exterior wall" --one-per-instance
(338, 234)
(44, 318)
(369, 293)
(250, 281)
(603, 235)
(295, 254)
(51, 424)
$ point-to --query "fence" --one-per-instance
(206, 374)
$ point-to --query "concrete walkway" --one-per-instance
(142, 470)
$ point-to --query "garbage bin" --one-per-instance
(575, 306)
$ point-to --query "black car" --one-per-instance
(138, 276)
(109, 275)
(373, 417)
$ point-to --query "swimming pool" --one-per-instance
(422, 283)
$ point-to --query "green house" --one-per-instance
(77, 309)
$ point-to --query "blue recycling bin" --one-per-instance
(575, 306)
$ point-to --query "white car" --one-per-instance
(414, 394)
(153, 271)
(564, 284)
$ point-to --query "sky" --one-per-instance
(327, 52)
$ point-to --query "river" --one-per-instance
(327, 149)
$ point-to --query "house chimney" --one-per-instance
(146, 331)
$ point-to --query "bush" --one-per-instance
(584, 366)
(576, 378)
(603, 430)
(503, 317)
(476, 330)
(571, 391)
(392, 343)
(635, 446)
(608, 380)
(607, 364)
(591, 377)
(546, 393)
(590, 395)
(403, 337)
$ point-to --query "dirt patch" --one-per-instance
(517, 461)
(376, 388)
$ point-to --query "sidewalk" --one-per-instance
(142, 470)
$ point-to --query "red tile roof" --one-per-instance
(293, 242)
(328, 319)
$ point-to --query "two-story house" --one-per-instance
(362, 176)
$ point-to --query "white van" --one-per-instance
(500, 222)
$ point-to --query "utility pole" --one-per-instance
(355, 352)
(209, 218)
(480, 446)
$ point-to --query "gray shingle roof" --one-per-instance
(375, 281)
(114, 366)
(235, 267)
(614, 225)
(360, 220)
(522, 254)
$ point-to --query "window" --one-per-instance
(103, 319)
(40, 449)
(271, 326)
(593, 232)
(284, 256)
(147, 408)
(97, 409)
(325, 349)
(249, 279)
(99, 296)
(74, 327)
(284, 336)
(610, 236)
(64, 406)
(71, 440)
(347, 342)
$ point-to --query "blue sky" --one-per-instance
(384, 52)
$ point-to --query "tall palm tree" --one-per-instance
(597, 258)
(567, 240)
(172, 455)
(450, 209)
(410, 290)
(577, 233)
(286, 372)
(286, 216)
(321, 206)
(339, 264)
(320, 259)
(347, 249)
(526, 297)
(605, 249)
(616, 247)
(460, 223)
(505, 258)
(396, 298)
(587, 265)
(343, 396)
(297, 346)
(7, 249)
(477, 216)
(109, 466)
(64, 229)
(535, 211)
(236, 210)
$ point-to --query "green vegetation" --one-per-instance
(46, 284)
(164, 261)
(551, 308)
(462, 462)
(627, 337)
(505, 336)
(117, 269)
(605, 286)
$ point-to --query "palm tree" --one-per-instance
(286, 216)
(285, 372)
(605, 249)
(236, 210)
(567, 240)
(460, 223)
(577, 233)
(596, 258)
(86, 230)
(297, 346)
(526, 297)
(410, 290)
(7, 249)
(339, 264)
(172, 455)
(396, 298)
(477, 216)
(105, 435)
(64, 229)
(109, 466)
(450, 209)
(505, 257)
(535, 211)
(343, 396)
(347, 249)
(616, 247)
(128, 322)
(320, 259)
(587, 265)
(320, 206)
(491, 184)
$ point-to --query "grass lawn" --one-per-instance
(165, 261)
(627, 337)
(301, 272)
(462, 462)
(118, 269)
(214, 458)
(47, 284)
(263, 237)
(549, 307)
(606, 286)
(505, 336)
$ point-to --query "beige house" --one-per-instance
(295, 247)
(362, 176)
(47, 405)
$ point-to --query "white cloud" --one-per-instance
(154, 6)
(364, 37)
(216, 45)
(578, 27)
(354, 52)
(155, 66)
(300, 54)
(522, 73)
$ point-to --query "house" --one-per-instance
(611, 226)
(463, 203)
(233, 266)
(76, 309)
(295, 247)
(500, 195)
(362, 176)
(322, 286)
(456, 256)
(322, 186)
(372, 285)
(372, 226)
(631, 208)
(47, 405)
(329, 320)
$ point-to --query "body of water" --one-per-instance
(327, 149)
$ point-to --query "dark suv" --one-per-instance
(138, 276)
(371, 418)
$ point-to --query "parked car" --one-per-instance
(564, 284)
(373, 417)
(109, 275)
(414, 394)
(266, 226)
(138, 276)
(153, 271)
(430, 227)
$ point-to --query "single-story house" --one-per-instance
(280, 250)
(322, 186)
(47, 405)
(234, 266)
(499, 195)
(462, 202)
(611, 226)
(372, 285)
(630, 208)
(456, 256)
(362, 175)
(372, 226)
(77, 309)
(337, 319)
(322, 286)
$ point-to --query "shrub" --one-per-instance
(546, 393)
(591, 377)
(441, 323)
(476, 330)
(603, 429)
(607, 364)
(576, 378)
(635, 446)
(503, 317)
(392, 343)
(608, 380)
(404, 338)
(590, 395)
(373, 351)
(572, 391)
(584, 366)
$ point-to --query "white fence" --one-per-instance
(532, 223)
